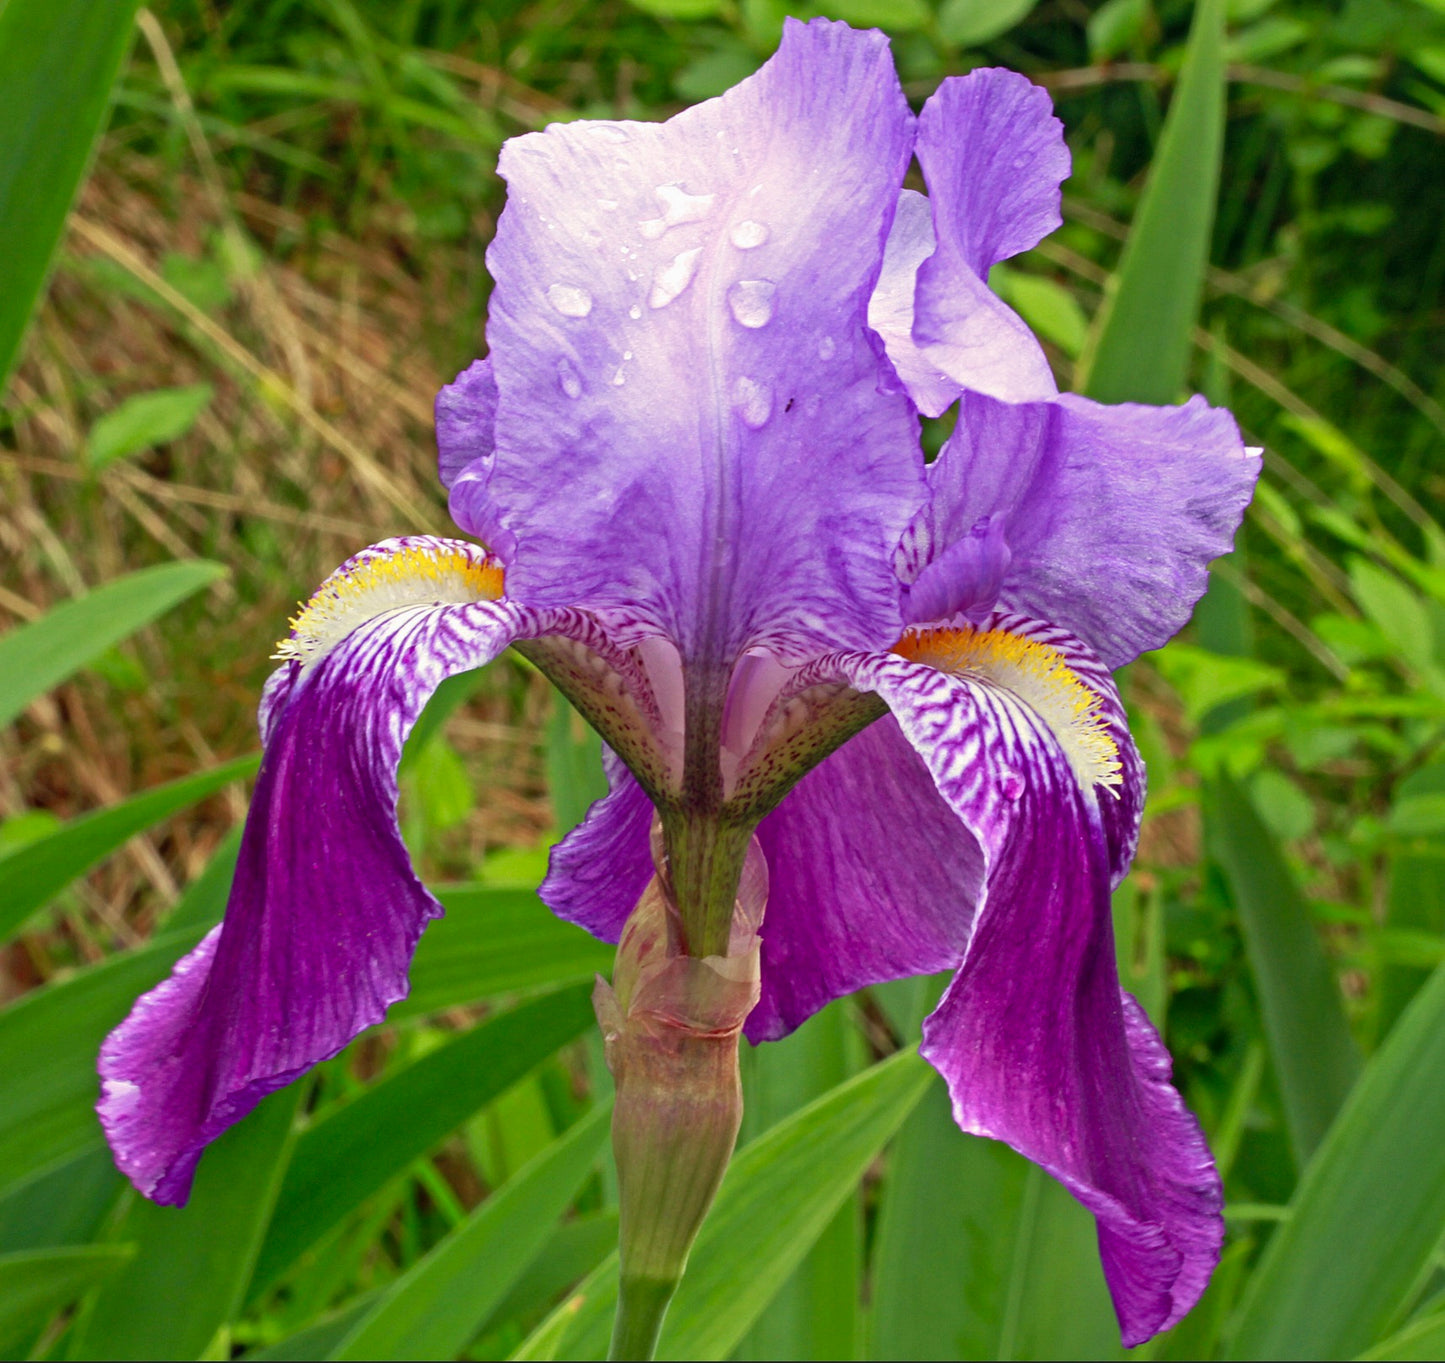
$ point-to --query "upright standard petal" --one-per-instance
(1038, 1044)
(325, 911)
(993, 156)
(1110, 515)
(679, 341)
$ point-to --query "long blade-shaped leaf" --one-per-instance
(36, 1284)
(58, 60)
(1366, 1218)
(48, 1045)
(492, 941)
(346, 1157)
(192, 1263)
(815, 1313)
(32, 875)
(37, 656)
(980, 1255)
(439, 1304)
(778, 1196)
(1141, 348)
(1315, 1058)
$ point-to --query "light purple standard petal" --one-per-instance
(993, 156)
(1110, 515)
(325, 911)
(1038, 1044)
(466, 417)
(690, 427)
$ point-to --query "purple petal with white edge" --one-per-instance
(598, 872)
(1111, 515)
(993, 156)
(890, 309)
(1038, 1044)
(678, 333)
(871, 877)
(325, 911)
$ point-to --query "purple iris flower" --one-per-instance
(693, 455)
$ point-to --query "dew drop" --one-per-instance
(673, 278)
(1012, 785)
(748, 233)
(754, 402)
(827, 348)
(619, 378)
(752, 302)
(567, 379)
(635, 311)
(626, 354)
(569, 300)
(678, 207)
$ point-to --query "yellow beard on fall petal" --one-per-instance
(415, 575)
(1038, 675)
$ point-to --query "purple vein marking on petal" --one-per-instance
(1038, 1044)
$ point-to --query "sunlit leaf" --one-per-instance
(31, 876)
(38, 656)
(1315, 1058)
(144, 421)
(1366, 1218)
(58, 60)
(1146, 326)
(435, 1308)
(779, 1194)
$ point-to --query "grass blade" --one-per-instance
(780, 1193)
(1366, 1217)
(192, 1264)
(1144, 334)
(41, 655)
(1314, 1055)
(36, 1284)
(32, 875)
(58, 61)
(495, 940)
(48, 1045)
(437, 1306)
(349, 1155)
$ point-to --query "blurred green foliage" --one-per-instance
(1285, 926)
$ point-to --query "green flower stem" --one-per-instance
(671, 1023)
(641, 1305)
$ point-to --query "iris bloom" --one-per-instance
(693, 457)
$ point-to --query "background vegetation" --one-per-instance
(275, 261)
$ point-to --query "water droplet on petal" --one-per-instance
(1012, 785)
(568, 380)
(635, 311)
(752, 302)
(626, 354)
(673, 278)
(747, 234)
(754, 402)
(827, 348)
(678, 207)
(569, 300)
(619, 378)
